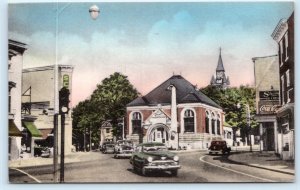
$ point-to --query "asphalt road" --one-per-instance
(197, 167)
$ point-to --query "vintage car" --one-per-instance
(108, 149)
(149, 157)
(219, 147)
(124, 149)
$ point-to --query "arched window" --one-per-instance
(218, 125)
(229, 135)
(189, 122)
(213, 121)
(207, 122)
(136, 123)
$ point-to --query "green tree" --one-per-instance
(228, 99)
(107, 102)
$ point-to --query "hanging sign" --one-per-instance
(66, 81)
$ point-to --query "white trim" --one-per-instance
(130, 121)
(195, 105)
(182, 120)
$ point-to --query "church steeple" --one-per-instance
(220, 80)
(220, 66)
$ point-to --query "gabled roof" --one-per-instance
(185, 93)
(220, 66)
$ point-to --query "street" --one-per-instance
(195, 167)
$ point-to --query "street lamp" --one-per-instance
(94, 12)
(248, 122)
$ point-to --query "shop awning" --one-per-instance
(13, 129)
(45, 133)
(32, 129)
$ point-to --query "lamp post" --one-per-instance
(94, 12)
(248, 122)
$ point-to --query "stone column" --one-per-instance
(276, 136)
(174, 142)
(261, 142)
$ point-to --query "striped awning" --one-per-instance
(13, 129)
(32, 129)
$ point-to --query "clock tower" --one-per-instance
(220, 80)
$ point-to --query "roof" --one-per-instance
(185, 93)
(13, 129)
(220, 66)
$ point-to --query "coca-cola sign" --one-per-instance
(268, 107)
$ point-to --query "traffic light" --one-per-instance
(64, 94)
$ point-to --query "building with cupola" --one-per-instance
(220, 80)
(175, 113)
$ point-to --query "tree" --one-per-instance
(107, 102)
(113, 94)
(228, 99)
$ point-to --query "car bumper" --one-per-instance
(163, 167)
(124, 155)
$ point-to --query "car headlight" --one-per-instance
(150, 159)
(176, 158)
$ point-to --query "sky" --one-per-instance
(148, 42)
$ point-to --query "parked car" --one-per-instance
(45, 152)
(219, 147)
(123, 148)
(154, 157)
(102, 147)
(109, 148)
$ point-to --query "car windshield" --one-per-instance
(155, 148)
(125, 142)
(218, 143)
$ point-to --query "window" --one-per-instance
(107, 130)
(281, 52)
(213, 121)
(282, 89)
(229, 135)
(218, 125)
(136, 123)
(207, 122)
(288, 95)
(286, 46)
(288, 82)
(189, 122)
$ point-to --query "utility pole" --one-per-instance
(63, 109)
(84, 143)
(55, 148)
(90, 134)
(62, 151)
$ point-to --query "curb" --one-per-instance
(261, 167)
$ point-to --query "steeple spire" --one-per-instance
(220, 66)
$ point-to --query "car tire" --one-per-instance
(144, 171)
(174, 172)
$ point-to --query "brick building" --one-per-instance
(175, 113)
(284, 36)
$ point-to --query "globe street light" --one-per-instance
(248, 121)
(94, 13)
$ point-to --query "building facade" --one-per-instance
(175, 113)
(267, 87)
(284, 36)
(38, 100)
(220, 80)
(15, 64)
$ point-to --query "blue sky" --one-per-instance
(148, 41)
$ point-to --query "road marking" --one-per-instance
(201, 159)
(35, 179)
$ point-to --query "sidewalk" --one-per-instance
(39, 161)
(264, 160)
